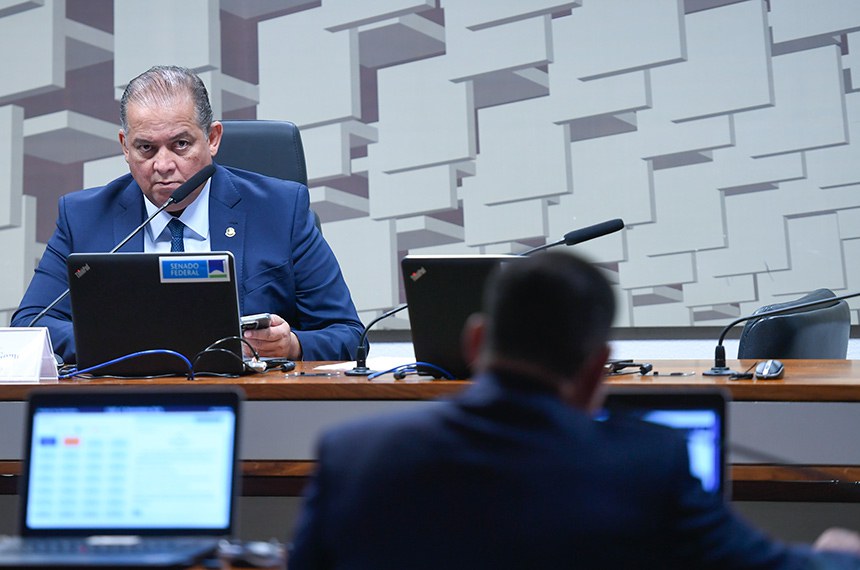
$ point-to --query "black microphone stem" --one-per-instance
(570, 238)
(584, 234)
(361, 368)
(720, 368)
(178, 195)
(141, 226)
(65, 293)
(542, 247)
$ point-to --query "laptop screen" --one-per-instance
(700, 415)
(131, 463)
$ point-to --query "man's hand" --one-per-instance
(839, 539)
(277, 340)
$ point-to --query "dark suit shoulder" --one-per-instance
(245, 180)
(107, 195)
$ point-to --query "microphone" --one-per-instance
(720, 369)
(570, 238)
(361, 368)
(178, 195)
(584, 234)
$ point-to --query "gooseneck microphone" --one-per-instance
(178, 195)
(570, 238)
(583, 234)
(361, 368)
(720, 369)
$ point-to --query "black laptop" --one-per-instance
(127, 303)
(126, 477)
(442, 291)
(700, 414)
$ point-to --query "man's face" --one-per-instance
(164, 147)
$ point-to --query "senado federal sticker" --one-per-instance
(194, 269)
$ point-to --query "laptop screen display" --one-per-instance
(131, 467)
(699, 415)
(702, 430)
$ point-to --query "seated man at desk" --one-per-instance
(515, 473)
(284, 265)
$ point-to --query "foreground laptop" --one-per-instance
(699, 414)
(442, 291)
(126, 477)
(124, 303)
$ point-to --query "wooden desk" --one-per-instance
(797, 438)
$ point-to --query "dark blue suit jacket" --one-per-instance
(284, 265)
(506, 477)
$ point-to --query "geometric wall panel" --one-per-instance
(724, 133)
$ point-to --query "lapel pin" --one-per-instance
(230, 232)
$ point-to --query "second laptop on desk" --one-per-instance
(442, 291)
(126, 478)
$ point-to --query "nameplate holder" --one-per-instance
(26, 356)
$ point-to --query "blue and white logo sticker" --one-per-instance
(194, 269)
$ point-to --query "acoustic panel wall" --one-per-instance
(723, 132)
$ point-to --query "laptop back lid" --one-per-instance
(442, 291)
(124, 303)
(131, 461)
(700, 414)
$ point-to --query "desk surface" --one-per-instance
(825, 386)
(804, 381)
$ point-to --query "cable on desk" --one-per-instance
(401, 371)
(75, 372)
(254, 365)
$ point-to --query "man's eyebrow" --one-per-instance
(182, 135)
(178, 136)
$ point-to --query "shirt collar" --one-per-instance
(195, 217)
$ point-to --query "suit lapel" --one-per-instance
(129, 214)
(227, 223)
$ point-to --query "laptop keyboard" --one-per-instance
(85, 546)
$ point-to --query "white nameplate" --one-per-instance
(26, 355)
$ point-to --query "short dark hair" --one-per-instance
(162, 84)
(552, 309)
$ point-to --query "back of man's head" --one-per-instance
(551, 310)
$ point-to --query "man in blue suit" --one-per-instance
(515, 473)
(283, 264)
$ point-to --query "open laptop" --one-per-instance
(124, 303)
(442, 291)
(126, 477)
(700, 414)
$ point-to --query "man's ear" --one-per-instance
(122, 144)
(472, 339)
(216, 129)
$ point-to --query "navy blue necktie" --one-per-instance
(177, 232)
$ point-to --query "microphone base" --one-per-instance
(359, 371)
(719, 371)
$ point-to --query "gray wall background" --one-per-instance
(723, 132)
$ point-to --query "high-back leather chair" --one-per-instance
(272, 148)
(816, 332)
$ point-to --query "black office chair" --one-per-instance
(817, 332)
(273, 148)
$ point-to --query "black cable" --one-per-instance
(213, 348)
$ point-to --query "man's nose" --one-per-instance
(164, 160)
